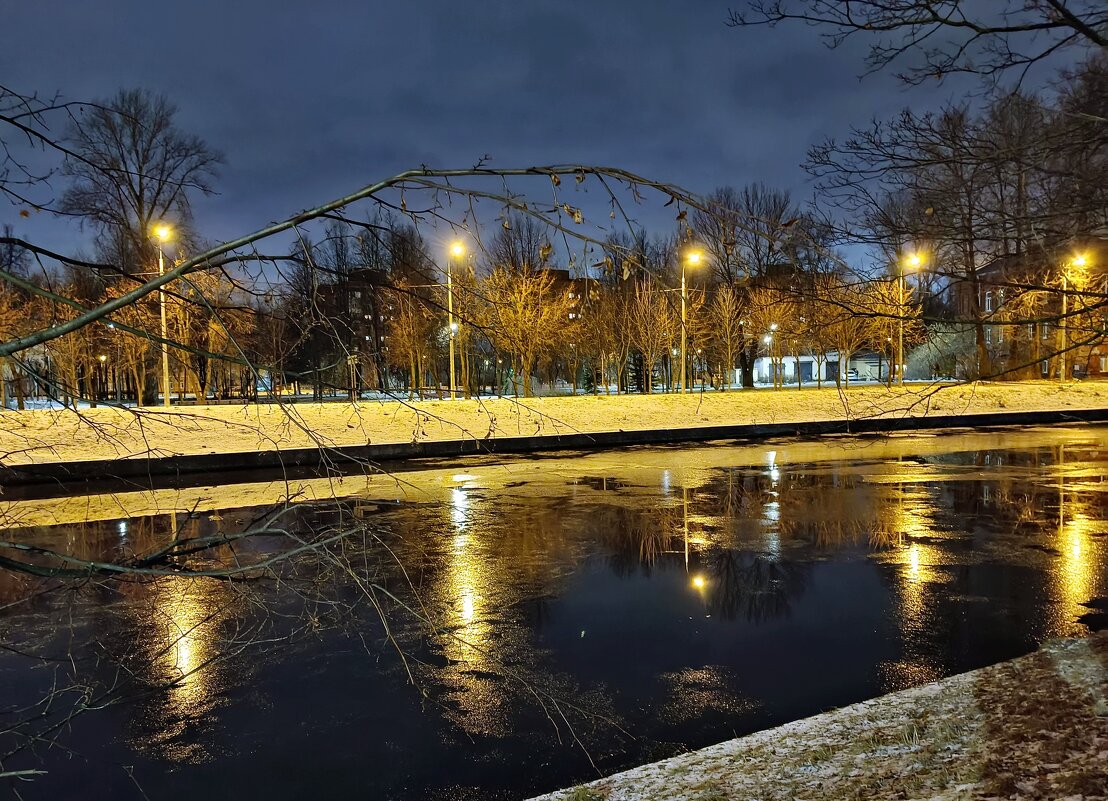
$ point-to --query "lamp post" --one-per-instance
(914, 261)
(692, 260)
(457, 250)
(162, 233)
(768, 340)
(1079, 262)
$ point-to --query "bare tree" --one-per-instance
(131, 168)
(655, 327)
(408, 334)
(934, 39)
(728, 333)
(525, 315)
(521, 244)
(848, 327)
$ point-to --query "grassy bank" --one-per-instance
(42, 436)
(1031, 728)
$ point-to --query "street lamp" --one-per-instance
(457, 250)
(693, 259)
(1080, 261)
(913, 262)
(163, 233)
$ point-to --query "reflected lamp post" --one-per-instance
(693, 259)
(162, 234)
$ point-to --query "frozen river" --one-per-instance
(606, 609)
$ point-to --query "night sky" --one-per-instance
(308, 101)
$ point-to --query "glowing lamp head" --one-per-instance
(694, 258)
(162, 232)
(1080, 260)
(457, 250)
(914, 261)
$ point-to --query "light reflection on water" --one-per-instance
(686, 594)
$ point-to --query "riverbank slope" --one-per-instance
(108, 433)
(1032, 728)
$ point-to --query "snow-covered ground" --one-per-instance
(1032, 728)
(61, 435)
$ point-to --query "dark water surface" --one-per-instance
(616, 607)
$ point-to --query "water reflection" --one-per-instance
(752, 587)
(467, 618)
(1079, 543)
(658, 587)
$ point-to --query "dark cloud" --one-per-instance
(310, 100)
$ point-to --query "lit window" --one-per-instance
(988, 300)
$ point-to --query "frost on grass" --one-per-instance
(1030, 729)
(42, 436)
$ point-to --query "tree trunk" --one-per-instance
(20, 390)
(746, 368)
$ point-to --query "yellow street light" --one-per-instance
(698, 582)
(913, 262)
(163, 233)
(457, 250)
(1078, 262)
(692, 259)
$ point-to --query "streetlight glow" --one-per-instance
(163, 232)
(913, 263)
(692, 259)
(457, 250)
